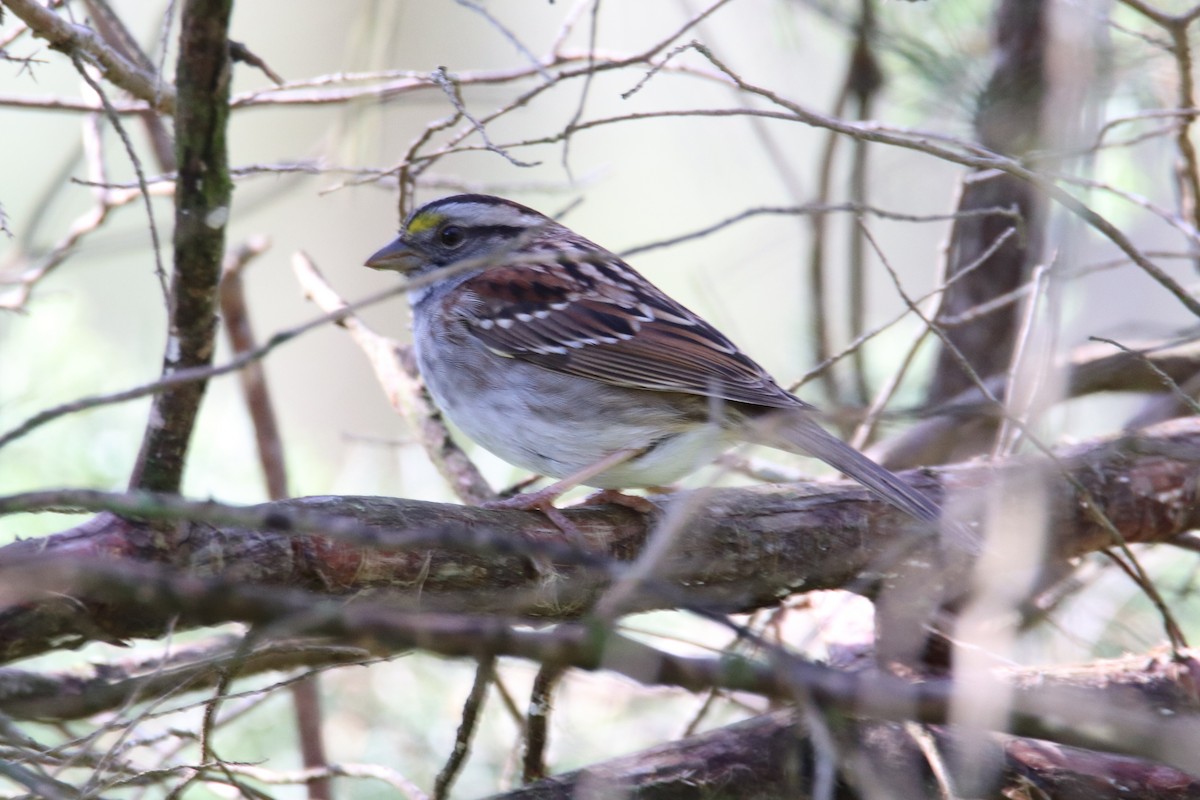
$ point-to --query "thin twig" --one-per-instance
(442, 78)
(236, 318)
(83, 42)
(1187, 400)
(538, 719)
(484, 675)
(1089, 503)
(396, 372)
(185, 376)
(508, 34)
(136, 163)
(593, 30)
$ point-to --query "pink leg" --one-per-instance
(543, 499)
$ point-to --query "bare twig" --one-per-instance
(137, 169)
(484, 675)
(85, 43)
(1187, 170)
(537, 721)
(236, 318)
(110, 26)
(442, 78)
(397, 373)
(508, 34)
(593, 28)
(186, 376)
(391, 777)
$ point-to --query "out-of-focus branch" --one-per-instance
(1092, 368)
(202, 197)
(236, 316)
(117, 36)
(306, 695)
(818, 294)
(82, 227)
(865, 80)
(1187, 170)
(397, 374)
(184, 377)
(1009, 121)
(774, 740)
(485, 676)
(772, 756)
(75, 695)
(537, 721)
(1073, 715)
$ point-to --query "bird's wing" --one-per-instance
(591, 315)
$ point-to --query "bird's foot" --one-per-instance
(542, 501)
(618, 498)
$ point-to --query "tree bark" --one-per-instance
(773, 756)
(1008, 121)
(745, 548)
(203, 193)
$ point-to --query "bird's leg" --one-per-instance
(543, 499)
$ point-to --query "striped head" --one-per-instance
(462, 227)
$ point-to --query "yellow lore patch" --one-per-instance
(424, 222)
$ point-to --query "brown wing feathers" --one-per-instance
(622, 333)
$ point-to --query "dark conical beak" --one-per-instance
(398, 256)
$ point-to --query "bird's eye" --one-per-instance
(451, 236)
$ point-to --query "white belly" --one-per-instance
(558, 426)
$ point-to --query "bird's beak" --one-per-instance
(398, 256)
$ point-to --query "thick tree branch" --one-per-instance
(1090, 369)
(746, 548)
(202, 196)
(1008, 121)
(772, 756)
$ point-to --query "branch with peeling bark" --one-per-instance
(774, 756)
(772, 745)
(746, 548)
(691, 766)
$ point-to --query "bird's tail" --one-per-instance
(797, 432)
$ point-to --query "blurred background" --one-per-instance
(99, 319)
(317, 180)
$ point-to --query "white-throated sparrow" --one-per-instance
(558, 357)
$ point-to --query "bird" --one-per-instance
(557, 356)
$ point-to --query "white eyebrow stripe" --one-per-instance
(488, 215)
